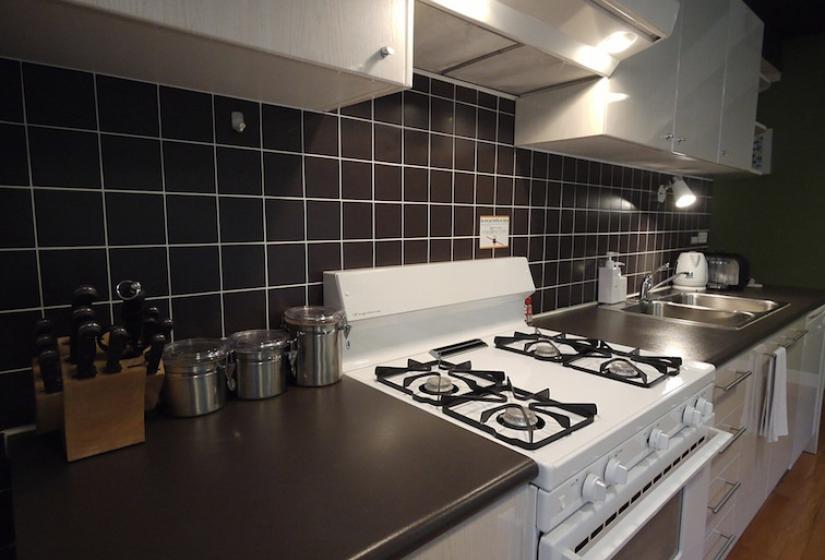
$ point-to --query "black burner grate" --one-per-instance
(402, 379)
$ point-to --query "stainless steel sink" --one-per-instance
(713, 310)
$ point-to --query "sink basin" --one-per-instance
(725, 303)
(694, 314)
(713, 310)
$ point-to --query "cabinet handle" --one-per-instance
(741, 376)
(800, 335)
(724, 153)
(733, 487)
(816, 315)
(725, 547)
(668, 137)
(737, 433)
(387, 51)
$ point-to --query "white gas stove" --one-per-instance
(618, 433)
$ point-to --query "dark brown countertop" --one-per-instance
(692, 342)
(339, 472)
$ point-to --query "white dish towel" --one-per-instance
(775, 409)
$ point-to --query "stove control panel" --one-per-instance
(629, 462)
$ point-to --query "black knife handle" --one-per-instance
(44, 342)
(131, 311)
(50, 371)
(43, 326)
(80, 316)
(84, 296)
(87, 336)
(118, 341)
(154, 354)
(165, 327)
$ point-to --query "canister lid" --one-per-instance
(312, 315)
(194, 352)
(258, 340)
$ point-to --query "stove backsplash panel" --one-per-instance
(104, 179)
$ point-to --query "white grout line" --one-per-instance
(167, 248)
(103, 199)
(263, 203)
(31, 192)
(218, 216)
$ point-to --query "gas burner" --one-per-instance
(621, 367)
(520, 418)
(630, 367)
(543, 349)
(557, 348)
(438, 384)
(431, 382)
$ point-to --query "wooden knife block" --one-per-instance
(99, 414)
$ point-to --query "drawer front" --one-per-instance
(732, 452)
(719, 542)
(731, 390)
(724, 489)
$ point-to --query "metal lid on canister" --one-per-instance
(313, 316)
(259, 343)
(193, 356)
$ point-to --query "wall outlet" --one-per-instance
(700, 238)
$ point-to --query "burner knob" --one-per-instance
(705, 407)
(615, 472)
(692, 416)
(594, 489)
(658, 440)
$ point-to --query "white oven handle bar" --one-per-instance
(612, 540)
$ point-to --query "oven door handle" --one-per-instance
(623, 530)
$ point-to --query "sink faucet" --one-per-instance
(648, 285)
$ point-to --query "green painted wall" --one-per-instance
(778, 220)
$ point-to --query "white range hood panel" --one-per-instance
(518, 46)
(519, 70)
(443, 41)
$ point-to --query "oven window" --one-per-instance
(659, 538)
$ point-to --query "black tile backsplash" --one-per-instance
(134, 180)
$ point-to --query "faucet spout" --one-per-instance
(648, 285)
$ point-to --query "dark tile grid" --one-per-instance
(104, 179)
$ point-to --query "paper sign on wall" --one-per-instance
(494, 232)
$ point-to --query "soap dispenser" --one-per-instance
(612, 285)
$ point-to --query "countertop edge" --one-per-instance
(414, 536)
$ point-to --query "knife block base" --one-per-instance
(99, 414)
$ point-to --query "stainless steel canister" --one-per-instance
(317, 345)
(196, 377)
(258, 363)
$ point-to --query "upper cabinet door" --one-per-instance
(701, 78)
(741, 86)
(641, 95)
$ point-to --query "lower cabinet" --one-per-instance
(506, 529)
(749, 468)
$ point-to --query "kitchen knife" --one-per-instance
(165, 327)
(154, 354)
(84, 296)
(44, 342)
(150, 328)
(118, 340)
(80, 316)
(87, 336)
(131, 312)
(50, 371)
(43, 326)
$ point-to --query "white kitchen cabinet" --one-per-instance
(664, 108)
(318, 54)
(741, 91)
(811, 383)
(701, 77)
(506, 529)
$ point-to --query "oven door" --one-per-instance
(667, 523)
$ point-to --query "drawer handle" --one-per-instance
(800, 335)
(724, 550)
(741, 376)
(737, 433)
(733, 487)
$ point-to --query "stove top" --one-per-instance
(593, 356)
